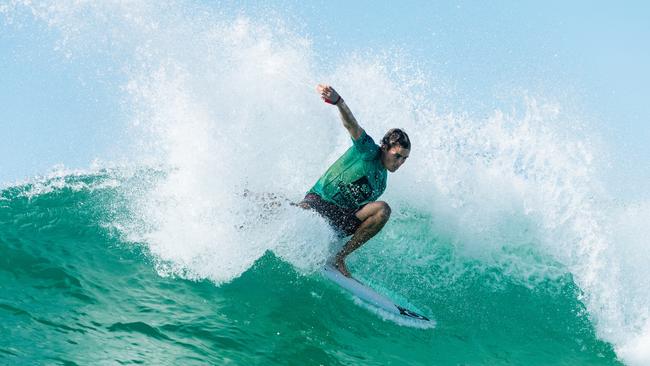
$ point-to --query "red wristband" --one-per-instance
(333, 102)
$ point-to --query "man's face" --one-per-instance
(394, 157)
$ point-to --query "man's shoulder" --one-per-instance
(366, 146)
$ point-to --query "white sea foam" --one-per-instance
(226, 106)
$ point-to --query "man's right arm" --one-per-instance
(329, 95)
(349, 122)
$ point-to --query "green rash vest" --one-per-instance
(356, 178)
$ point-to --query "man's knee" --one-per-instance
(383, 212)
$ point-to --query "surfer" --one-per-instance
(346, 194)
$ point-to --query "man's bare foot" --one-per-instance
(340, 265)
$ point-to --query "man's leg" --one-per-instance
(373, 217)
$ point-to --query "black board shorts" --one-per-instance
(343, 220)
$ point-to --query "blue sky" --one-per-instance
(595, 54)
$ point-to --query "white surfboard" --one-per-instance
(375, 299)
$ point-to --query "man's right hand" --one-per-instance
(328, 94)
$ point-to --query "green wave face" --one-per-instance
(76, 291)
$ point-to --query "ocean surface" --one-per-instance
(186, 251)
(75, 291)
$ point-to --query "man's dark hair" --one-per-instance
(394, 137)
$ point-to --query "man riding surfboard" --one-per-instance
(346, 194)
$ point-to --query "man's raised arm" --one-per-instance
(329, 95)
